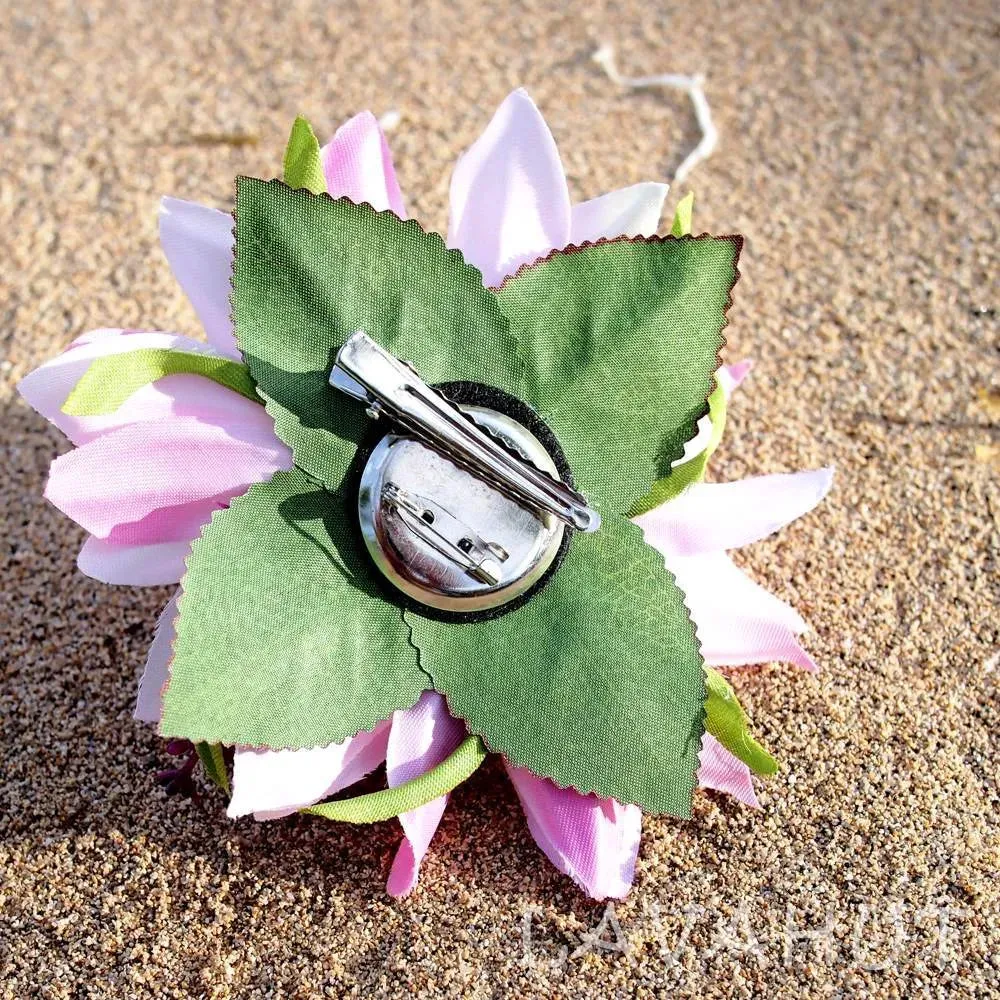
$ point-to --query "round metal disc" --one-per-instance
(424, 569)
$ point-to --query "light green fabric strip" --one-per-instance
(379, 806)
(210, 755)
(727, 722)
(110, 380)
(692, 471)
(682, 216)
(303, 166)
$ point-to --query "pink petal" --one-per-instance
(357, 164)
(198, 243)
(509, 200)
(188, 396)
(149, 704)
(713, 580)
(104, 333)
(731, 377)
(710, 517)
(176, 396)
(46, 388)
(126, 474)
(594, 841)
(274, 783)
(133, 565)
(738, 621)
(421, 737)
(181, 523)
(631, 211)
(720, 770)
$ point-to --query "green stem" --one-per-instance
(110, 380)
(375, 807)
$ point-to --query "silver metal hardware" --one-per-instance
(460, 507)
(445, 532)
(371, 374)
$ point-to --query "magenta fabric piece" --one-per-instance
(149, 565)
(149, 704)
(357, 164)
(275, 783)
(126, 474)
(48, 386)
(731, 377)
(594, 841)
(421, 737)
(198, 243)
(721, 771)
(509, 200)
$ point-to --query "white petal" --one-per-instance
(275, 783)
(709, 517)
(509, 200)
(149, 704)
(133, 565)
(198, 242)
(631, 211)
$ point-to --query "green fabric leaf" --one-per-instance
(597, 682)
(210, 755)
(619, 343)
(283, 639)
(692, 471)
(303, 166)
(376, 807)
(727, 722)
(682, 216)
(110, 380)
(310, 271)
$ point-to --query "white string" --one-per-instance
(693, 85)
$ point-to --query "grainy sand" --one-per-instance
(859, 155)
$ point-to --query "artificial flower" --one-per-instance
(144, 481)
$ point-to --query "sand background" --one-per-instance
(858, 154)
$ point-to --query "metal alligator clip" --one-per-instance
(392, 388)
